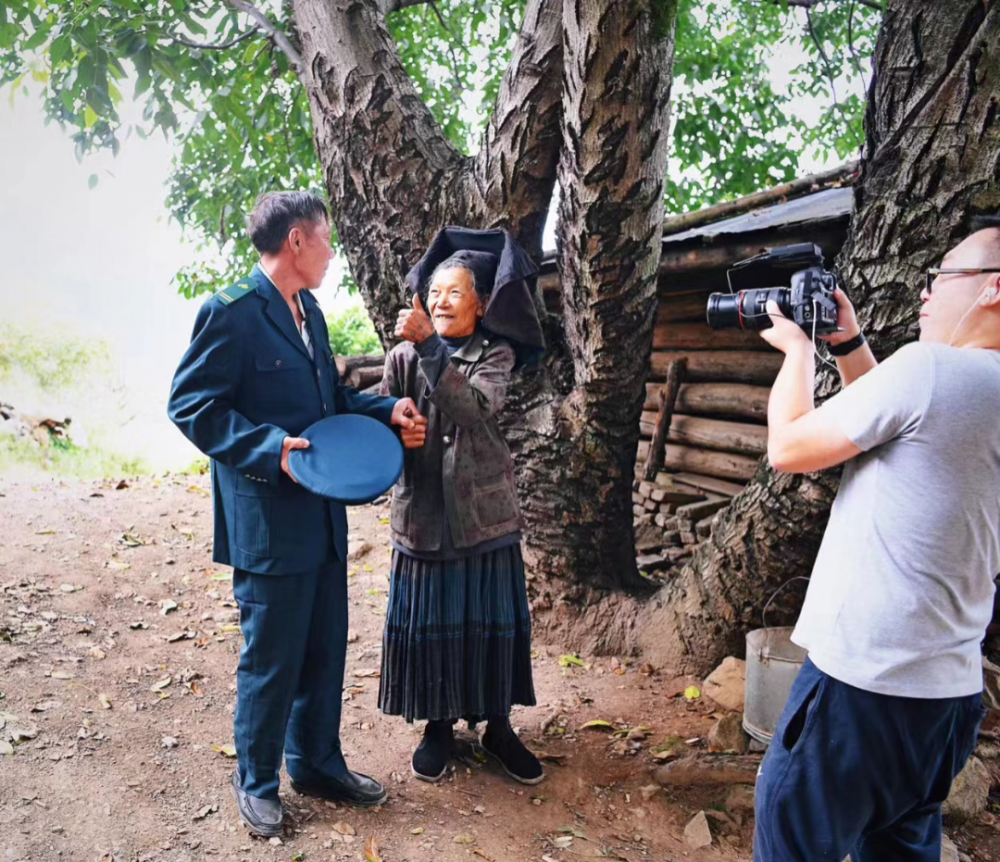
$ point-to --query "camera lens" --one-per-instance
(723, 311)
(746, 309)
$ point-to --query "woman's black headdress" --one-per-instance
(502, 271)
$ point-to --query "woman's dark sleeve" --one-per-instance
(471, 400)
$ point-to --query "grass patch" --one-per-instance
(63, 458)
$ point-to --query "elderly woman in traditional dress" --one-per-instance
(457, 641)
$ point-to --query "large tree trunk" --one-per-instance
(931, 160)
(394, 180)
(618, 58)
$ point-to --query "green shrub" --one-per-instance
(352, 333)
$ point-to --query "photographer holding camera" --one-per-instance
(886, 709)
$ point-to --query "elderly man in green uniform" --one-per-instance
(258, 372)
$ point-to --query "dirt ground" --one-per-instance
(118, 650)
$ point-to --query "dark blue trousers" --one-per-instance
(291, 676)
(850, 771)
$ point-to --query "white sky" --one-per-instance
(100, 262)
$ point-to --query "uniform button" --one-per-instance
(446, 439)
(486, 343)
(277, 363)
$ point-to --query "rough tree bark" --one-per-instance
(931, 161)
(394, 180)
(618, 59)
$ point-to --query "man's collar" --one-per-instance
(267, 275)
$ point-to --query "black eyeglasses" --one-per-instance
(934, 272)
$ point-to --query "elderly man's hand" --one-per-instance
(413, 426)
(287, 445)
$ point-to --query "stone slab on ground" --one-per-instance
(725, 684)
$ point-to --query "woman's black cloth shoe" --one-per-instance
(502, 744)
(430, 760)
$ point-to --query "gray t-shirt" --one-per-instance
(902, 589)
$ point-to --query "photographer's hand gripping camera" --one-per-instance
(809, 301)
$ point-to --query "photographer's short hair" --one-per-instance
(276, 213)
(990, 223)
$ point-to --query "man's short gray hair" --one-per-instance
(276, 213)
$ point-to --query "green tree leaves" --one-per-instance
(208, 78)
(352, 333)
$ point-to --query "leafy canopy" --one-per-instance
(208, 77)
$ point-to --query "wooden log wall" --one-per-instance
(717, 433)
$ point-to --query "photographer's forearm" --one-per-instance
(792, 392)
(791, 398)
(856, 364)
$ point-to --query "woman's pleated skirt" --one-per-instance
(457, 641)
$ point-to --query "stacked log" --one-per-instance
(673, 514)
(717, 430)
(361, 372)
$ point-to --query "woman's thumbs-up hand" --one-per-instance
(413, 324)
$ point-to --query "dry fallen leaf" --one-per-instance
(161, 684)
(418, 831)
(71, 588)
(227, 750)
(344, 828)
(195, 689)
(597, 724)
(545, 757)
(105, 701)
(369, 672)
(371, 850)
(62, 674)
(692, 692)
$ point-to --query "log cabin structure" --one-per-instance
(703, 429)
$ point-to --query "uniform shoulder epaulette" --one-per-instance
(229, 295)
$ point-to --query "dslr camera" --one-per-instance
(808, 301)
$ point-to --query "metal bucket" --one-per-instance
(773, 662)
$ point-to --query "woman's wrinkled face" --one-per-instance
(453, 304)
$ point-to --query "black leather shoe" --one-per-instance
(262, 816)
(354, 789)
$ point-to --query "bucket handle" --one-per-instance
(763, 615)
